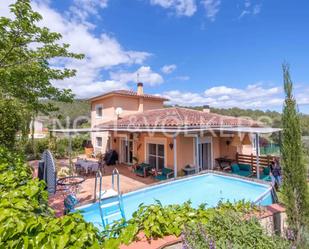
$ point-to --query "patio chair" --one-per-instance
(142, 169)
(242, 169)
(166, 173)
(265, 175)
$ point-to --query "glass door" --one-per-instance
(156, 155)
(205, 156)
(126, 151)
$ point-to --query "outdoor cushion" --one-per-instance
(235, 168)
(244, 173)
(166, 171)
(244, 167)
(165, 174)
(266, 171)
(265, 177)
(142, 169)
(161, 177)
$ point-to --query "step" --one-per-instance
(114, 203)
(107, 193)
(112, 215)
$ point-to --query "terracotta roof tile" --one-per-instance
(129, 93)
(178, 117)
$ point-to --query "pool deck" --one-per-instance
(128, 182)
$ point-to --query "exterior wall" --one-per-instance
(152, 104)
(108, 111)
(185, 151)
(129, 106)
(185, 148)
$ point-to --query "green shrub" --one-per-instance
(230, 230)
(26, 221)
(59, 146)
(157, 221)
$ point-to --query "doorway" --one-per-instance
(205, 154)
(126, 151)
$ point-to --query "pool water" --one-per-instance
(208, 188)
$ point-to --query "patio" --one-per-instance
(129, 181)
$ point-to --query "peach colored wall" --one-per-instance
(185, 151)
(185, 148)
(230, 150)
(152, 104)
(108, 111)
(129, 105)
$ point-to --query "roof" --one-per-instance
(175, 117)
(128, 93)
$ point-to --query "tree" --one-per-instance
(26, 50)
(295, 189)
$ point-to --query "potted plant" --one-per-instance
(135, 162)
(88, 148)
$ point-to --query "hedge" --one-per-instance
(26, 221)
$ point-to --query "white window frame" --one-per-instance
(96, 142)
(154, 140)
(127, 140)
(209, 140)
(96, 111)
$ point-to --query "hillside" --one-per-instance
(271, 118)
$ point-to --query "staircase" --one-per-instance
(110, 200)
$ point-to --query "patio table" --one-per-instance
(88, 165)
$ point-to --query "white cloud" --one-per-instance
(102, 51)
(250, 9)
(253, 96)
(167, 69)
(212, 8)
(181, 7)
(143, 74)
(256, 9)
(84, 8)
(186, 98)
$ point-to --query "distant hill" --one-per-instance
(271, 118)
(81, 108)
(78, 111)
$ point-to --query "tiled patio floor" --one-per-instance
(128, 182)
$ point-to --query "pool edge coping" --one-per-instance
(200, 174)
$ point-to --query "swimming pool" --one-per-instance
(208, 188)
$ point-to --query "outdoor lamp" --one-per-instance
(246, 140)
(171, 145)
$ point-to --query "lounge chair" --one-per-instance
(142, 169)
(242, 169)
(165, 174)
(265, 175)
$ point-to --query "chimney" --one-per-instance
(140, 90)
(206, 109)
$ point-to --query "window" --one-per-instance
(156, 155)
(99, 141)
(99, 111)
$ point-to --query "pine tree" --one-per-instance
(295, 189)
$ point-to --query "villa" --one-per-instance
(138, 127)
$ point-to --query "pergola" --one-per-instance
(257, 131)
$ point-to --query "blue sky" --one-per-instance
(224, 53)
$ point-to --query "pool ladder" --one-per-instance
(107, 194)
